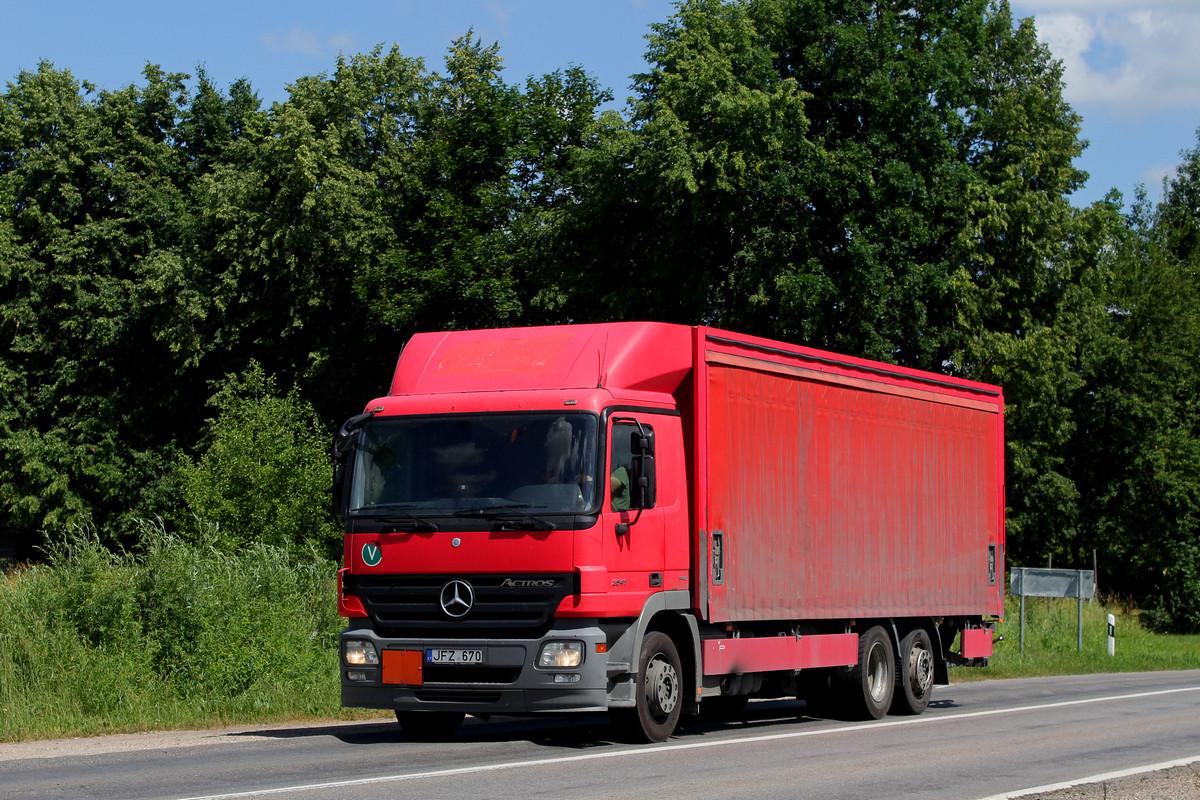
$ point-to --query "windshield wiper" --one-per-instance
(508, 513)
(484, 511)
(418, 523)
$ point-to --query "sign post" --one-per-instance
(1079, 624)
(1038, 582)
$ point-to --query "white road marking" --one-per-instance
(654, 749)
(1102, 777)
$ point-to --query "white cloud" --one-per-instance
(297, 40)
(1153, 177)
(343, 42)
(305, 42)
(501, 13)
(1027, 7)
(1131, 56)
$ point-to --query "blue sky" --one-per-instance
(1130, 69)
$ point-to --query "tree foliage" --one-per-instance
(882, 178)
(93, 192)
(1139, 449)
(262, 474)
(158, 238)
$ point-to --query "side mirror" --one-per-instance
(644, 484)
(642, 480)
(343, 443)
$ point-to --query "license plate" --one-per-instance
(454, 655)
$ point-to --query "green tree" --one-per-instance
(1049, 371)
(883, 178)
(91, 190)
(262, 474)
(1138, 447)
(286, 217)
(157, 238)
(477, 189)
(385, 200)
(704, 179)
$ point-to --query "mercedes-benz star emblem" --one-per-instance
(457, 598)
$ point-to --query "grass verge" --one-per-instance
(178, 635)
(1052, 643)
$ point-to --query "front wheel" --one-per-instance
(659, 691)
(914, 678)
(429, 726)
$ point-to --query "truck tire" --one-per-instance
(429, 726)
(659, 692)
(872, 681)
(914, 674)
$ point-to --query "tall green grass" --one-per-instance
(1052, 646)
(175, 635)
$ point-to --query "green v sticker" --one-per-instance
(372, 554)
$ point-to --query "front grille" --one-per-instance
(410, 605)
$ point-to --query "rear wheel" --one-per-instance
(659, 692)
(914, 677)
(429, 726)
(872, 681)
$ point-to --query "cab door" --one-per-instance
(635, 539)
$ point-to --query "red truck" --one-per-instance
(645, 519)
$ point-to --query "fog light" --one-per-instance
(359, 652)
(566, 677)
(561, 654)
(356, 675)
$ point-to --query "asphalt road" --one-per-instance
(978, 740)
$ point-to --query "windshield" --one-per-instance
(542, 463)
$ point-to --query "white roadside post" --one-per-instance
(1112, 635)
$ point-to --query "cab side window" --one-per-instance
(621, 465)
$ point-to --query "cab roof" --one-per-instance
(622, 357)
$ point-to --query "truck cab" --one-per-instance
(505, 523)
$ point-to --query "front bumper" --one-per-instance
(508, 683)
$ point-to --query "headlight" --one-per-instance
(358, 651)
(561, 654)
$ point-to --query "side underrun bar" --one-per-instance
(772, 653)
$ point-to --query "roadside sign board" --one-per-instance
(1040, 582)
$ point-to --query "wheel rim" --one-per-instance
(877, 673)
(662, 688)
(920, 670)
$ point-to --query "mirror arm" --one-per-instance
(622, 528)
